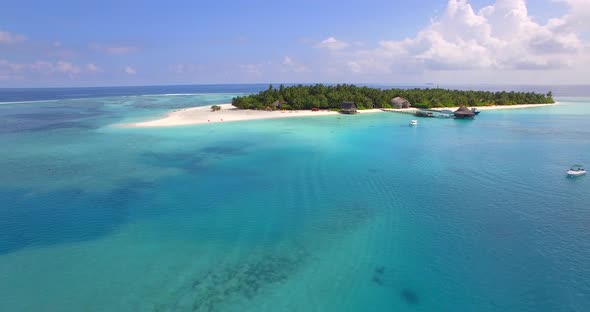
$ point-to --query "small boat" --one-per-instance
(413, 122)
(576, 171)
(475, 111)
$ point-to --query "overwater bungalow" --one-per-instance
(399, 102)
(464, 112)
(348, 108)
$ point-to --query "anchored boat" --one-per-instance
(413, 122)
(576, 170)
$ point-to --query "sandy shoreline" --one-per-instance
(228, 113)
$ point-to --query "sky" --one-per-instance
(111, 43)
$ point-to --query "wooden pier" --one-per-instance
(433, 113)
(408, 111)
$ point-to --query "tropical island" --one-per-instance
(319, 96)
(322, 100)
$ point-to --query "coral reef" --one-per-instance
(230, 283)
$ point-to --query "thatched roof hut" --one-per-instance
(400, 102)
(277, 104)
(348, 108)
(464, 112)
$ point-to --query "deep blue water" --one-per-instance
(333, 213)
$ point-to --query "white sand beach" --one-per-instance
(228, 113)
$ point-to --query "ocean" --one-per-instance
(331, 213)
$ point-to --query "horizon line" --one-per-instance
(298, 83)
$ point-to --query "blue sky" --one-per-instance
(70, 43)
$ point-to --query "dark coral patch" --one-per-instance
(241, 281)
(410, 297)
(380, 270)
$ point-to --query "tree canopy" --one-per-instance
(326, 97)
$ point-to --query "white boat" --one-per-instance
(413, 122)
(576, 170)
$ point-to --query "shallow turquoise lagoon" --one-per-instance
(333, 213)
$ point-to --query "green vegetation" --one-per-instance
(330, 97)
(215, 108)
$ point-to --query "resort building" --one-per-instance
(348, 108)
(400, 102)
(464, 112)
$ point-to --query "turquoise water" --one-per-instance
(332, 213)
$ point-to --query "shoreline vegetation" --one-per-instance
(331, 97)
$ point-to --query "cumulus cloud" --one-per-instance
(332, 43)
(501, 36)
(130, 70)
(10, 38)
(578, 16)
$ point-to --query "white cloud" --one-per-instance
(130, 70)
(92, 68)
(578, 16)
(11, 70)
(67, 68)
(499, 37)
(332, 43)
(114, 49)
(284, 70)
(39, 68)
(289, 64)
(187, 68)
(252, 69)
(10, 38)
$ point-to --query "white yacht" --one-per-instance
(413, 122)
